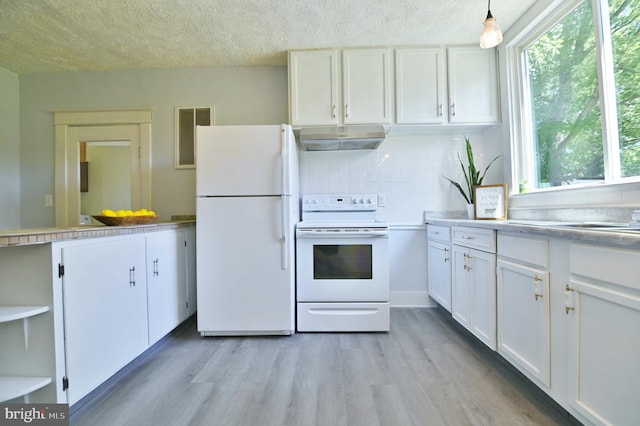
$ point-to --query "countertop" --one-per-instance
(548, 229)
(21, 237)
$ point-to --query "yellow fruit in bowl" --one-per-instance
(109, 213)
(121, 213)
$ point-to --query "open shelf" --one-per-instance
(16, 386)
(12, 313)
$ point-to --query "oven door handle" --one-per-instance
(343, 234)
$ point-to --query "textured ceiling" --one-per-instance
(72, 35)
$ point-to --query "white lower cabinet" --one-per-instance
(439, 264)
(105, 309)
(523, 301)
(473, 296)
(166, 282)
(602, 300)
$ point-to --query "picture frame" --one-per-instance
(491, 202)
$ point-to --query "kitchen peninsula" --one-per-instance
(78, 304)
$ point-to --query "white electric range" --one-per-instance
(342, 277)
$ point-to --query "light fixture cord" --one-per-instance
(489, 15)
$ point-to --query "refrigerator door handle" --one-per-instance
(285, 229)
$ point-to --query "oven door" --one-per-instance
(342, 265)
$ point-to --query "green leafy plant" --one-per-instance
(472, 176)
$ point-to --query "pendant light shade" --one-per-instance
(491, 33)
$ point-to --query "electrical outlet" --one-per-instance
(48, 200)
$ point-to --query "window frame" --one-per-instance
(520, 126)
(178, 141)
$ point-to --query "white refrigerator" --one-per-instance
(247, 206)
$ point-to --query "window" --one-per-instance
(187, 118)
(580, 96)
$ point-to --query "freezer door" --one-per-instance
(244, 160)
(245, 285)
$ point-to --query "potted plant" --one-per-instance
(472, 177)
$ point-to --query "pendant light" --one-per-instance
(491, 33)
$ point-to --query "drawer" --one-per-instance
(477, 238)
(439, 233)
(531, 250)
(606, 264)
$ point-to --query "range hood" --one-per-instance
(341, 138)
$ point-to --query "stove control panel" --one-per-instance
(333, 202)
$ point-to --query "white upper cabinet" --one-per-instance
(366, 80)
(314, 95)
(313, 87)
(473, 85)
(354, 86)
(420, 86)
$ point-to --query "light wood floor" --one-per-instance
(425, 371)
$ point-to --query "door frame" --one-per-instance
(67, 206)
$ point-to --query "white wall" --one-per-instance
(241, 95)
(407, 168)
(9, 150)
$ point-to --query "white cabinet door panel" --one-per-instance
(523, 319)
(105, 313)
(604, 368)
(366, 86)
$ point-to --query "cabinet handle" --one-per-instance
(467, 261)
(440, 109)
(453, 109)
(346, 110)
(333, 111)
(446, 254)
(467, 237)
(132, 276)
(537, 290)
(156, 272)
(568, 299)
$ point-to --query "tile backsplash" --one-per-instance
(406, 168)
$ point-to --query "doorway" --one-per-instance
(109, 129)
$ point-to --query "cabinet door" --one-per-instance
(461, 290)
(523, 319)
(439, 263)
(420, 82)
(166, 286)
(482, 268)
(190, 264)
(366, 89)
(105, 309)
(605, 340)
(313, 87)
(473, 90)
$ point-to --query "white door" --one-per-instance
(523, 318)
(605, 347)
(482, 266)
(240, 160)
(166, 287)
(473, 88)
(245, 278)
(124, 135)
(313, 87)
(461, 290)
(420, 79)
(366, 88)
(439, 259)
(105, 309)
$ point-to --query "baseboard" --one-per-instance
(411, 299)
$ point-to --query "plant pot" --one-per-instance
(471, 212)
